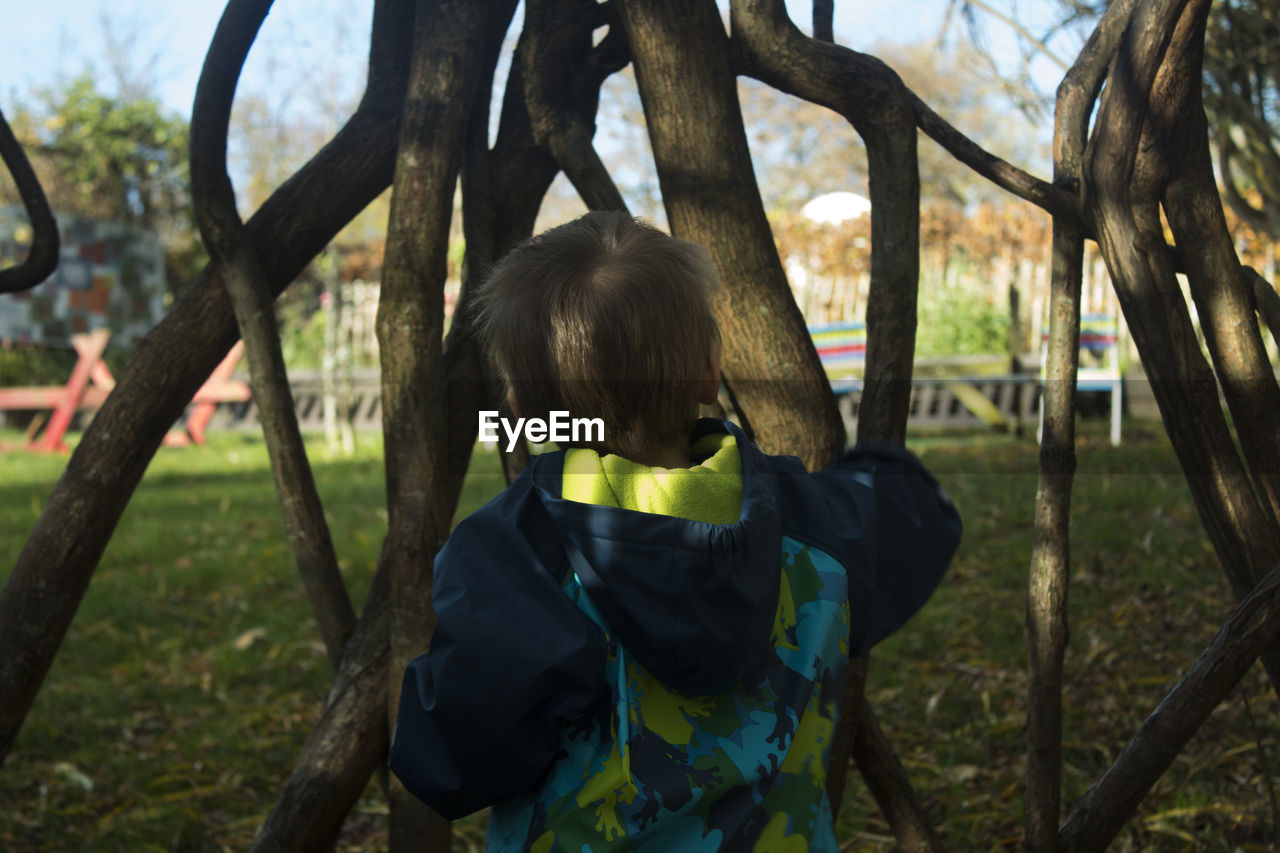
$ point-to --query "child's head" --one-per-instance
(608, 318)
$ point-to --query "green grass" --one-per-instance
(193, 670)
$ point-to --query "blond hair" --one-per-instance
(604, 317)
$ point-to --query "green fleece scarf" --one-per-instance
(709, 491)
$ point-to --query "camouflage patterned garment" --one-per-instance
(744, 768)
(607, 676)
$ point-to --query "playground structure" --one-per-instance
(90, 383)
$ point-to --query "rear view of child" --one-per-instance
(642, 642)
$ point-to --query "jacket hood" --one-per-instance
(692, 602)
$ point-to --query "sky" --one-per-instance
(55, 40)
(310, 56)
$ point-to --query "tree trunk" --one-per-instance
(171, 362)
(690, 100)
(448, 34)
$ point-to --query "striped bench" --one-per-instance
(963, 401)
(842, 348)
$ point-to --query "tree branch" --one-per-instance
(682, 64)
(1178, 158)
(875, 101)
(1122, 203)
(1054, 200)
(557, 47)
(448, 35)
(42, 256)
(1048, 578)
(1253, 626)
(823, 13)
(172, 361)
(887, 781)
(1266, 301)
(1079, 90)
(233, 252)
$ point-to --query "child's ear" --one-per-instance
(513, 403)
(709, 385)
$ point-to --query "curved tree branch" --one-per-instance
(1253, 217)
(1253, 626)
(682, 64)
(1079, 90)
(1266, 301)
(1054, 200)
(232, 251)
(875, 101)
(1048, 578)
(1122, 192)
(54, 568)
(1176, 143)
(560, 99)
(42, 256)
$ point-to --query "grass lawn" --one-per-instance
(193, 670)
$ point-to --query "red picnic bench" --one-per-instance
(90, 383)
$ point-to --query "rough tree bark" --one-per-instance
(1180, 161)
(873, 99)
(559, 39)
(681, 59)
(1047, 629)
(350, 739)
(502, 191)
(448, 34)
(1123, 184)
(237, 260)
(55, 566)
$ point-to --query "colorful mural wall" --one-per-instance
(108, 276)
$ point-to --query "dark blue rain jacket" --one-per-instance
(514, 659)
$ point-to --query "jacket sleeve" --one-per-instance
(899, 531)
(510, 657)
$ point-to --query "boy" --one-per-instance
(642, 642)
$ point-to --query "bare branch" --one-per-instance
(233, 252)
(560, 98)
(1265, 300)
(1122, 202)
(874, 100)
(682, 64)
(887, 781)
(1048, 578)
(1175, 153)
(42, 256)
(55, 566)
(1103, 810)
(443, 82)
(1079, 89)
(1024, 185)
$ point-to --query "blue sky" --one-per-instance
(52, 41)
